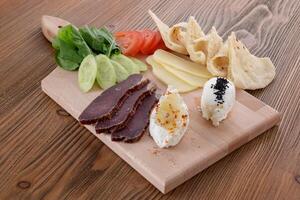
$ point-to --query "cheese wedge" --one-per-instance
(168, 78)
(181, 64)
(189, 78)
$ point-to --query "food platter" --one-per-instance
(202, 145)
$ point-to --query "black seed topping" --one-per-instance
(220, 87)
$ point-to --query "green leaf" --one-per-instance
(100, 40)
(70, 48)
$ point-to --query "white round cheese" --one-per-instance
(169, 119)
(218, 97)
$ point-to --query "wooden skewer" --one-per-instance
(51, 25)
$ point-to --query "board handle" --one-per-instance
(51, 25)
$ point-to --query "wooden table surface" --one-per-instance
(45, 153)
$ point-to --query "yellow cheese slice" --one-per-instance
(181, 64)
(168, 78)
(189, 78)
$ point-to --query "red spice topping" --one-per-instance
(184, 116)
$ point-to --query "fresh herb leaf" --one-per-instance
(100, 40)
(70, 48)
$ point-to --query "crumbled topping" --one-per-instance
(220, 87)
(155, 151)
(168, 115)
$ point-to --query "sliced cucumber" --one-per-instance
(87, 73)
(127, 63)
(142, 66)
(121, 73)
(106, 76)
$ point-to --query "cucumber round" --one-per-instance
(142, 66)
(127, 63)
(87, 73)
(121, 73)
(106, 76)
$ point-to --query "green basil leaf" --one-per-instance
(100, 40)
(70, 48)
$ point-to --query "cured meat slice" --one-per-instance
(138, 124)
(105, 105)
(126, 111)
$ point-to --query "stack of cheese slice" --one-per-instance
(178, 72)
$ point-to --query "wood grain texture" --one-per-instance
(46, 154)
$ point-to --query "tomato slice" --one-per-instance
(130, 42)
(155, 43)
(149, 37)
(161, 45)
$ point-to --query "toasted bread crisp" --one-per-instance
(246, 70)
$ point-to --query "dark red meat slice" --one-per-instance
(138, 124)
(126, 111)
(105, 105)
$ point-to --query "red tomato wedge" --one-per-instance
(156, 43)
(149, 38)
(144, 41)
(130, 42)
(161, 45)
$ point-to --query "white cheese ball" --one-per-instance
(169, 119)
(218, 98)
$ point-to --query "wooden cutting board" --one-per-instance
(202, 145)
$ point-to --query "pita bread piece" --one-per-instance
(246, 70)
(194, 48)
(218, 64)
(172, 37)
(201, 47)
(214, 42)
(177, 33)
